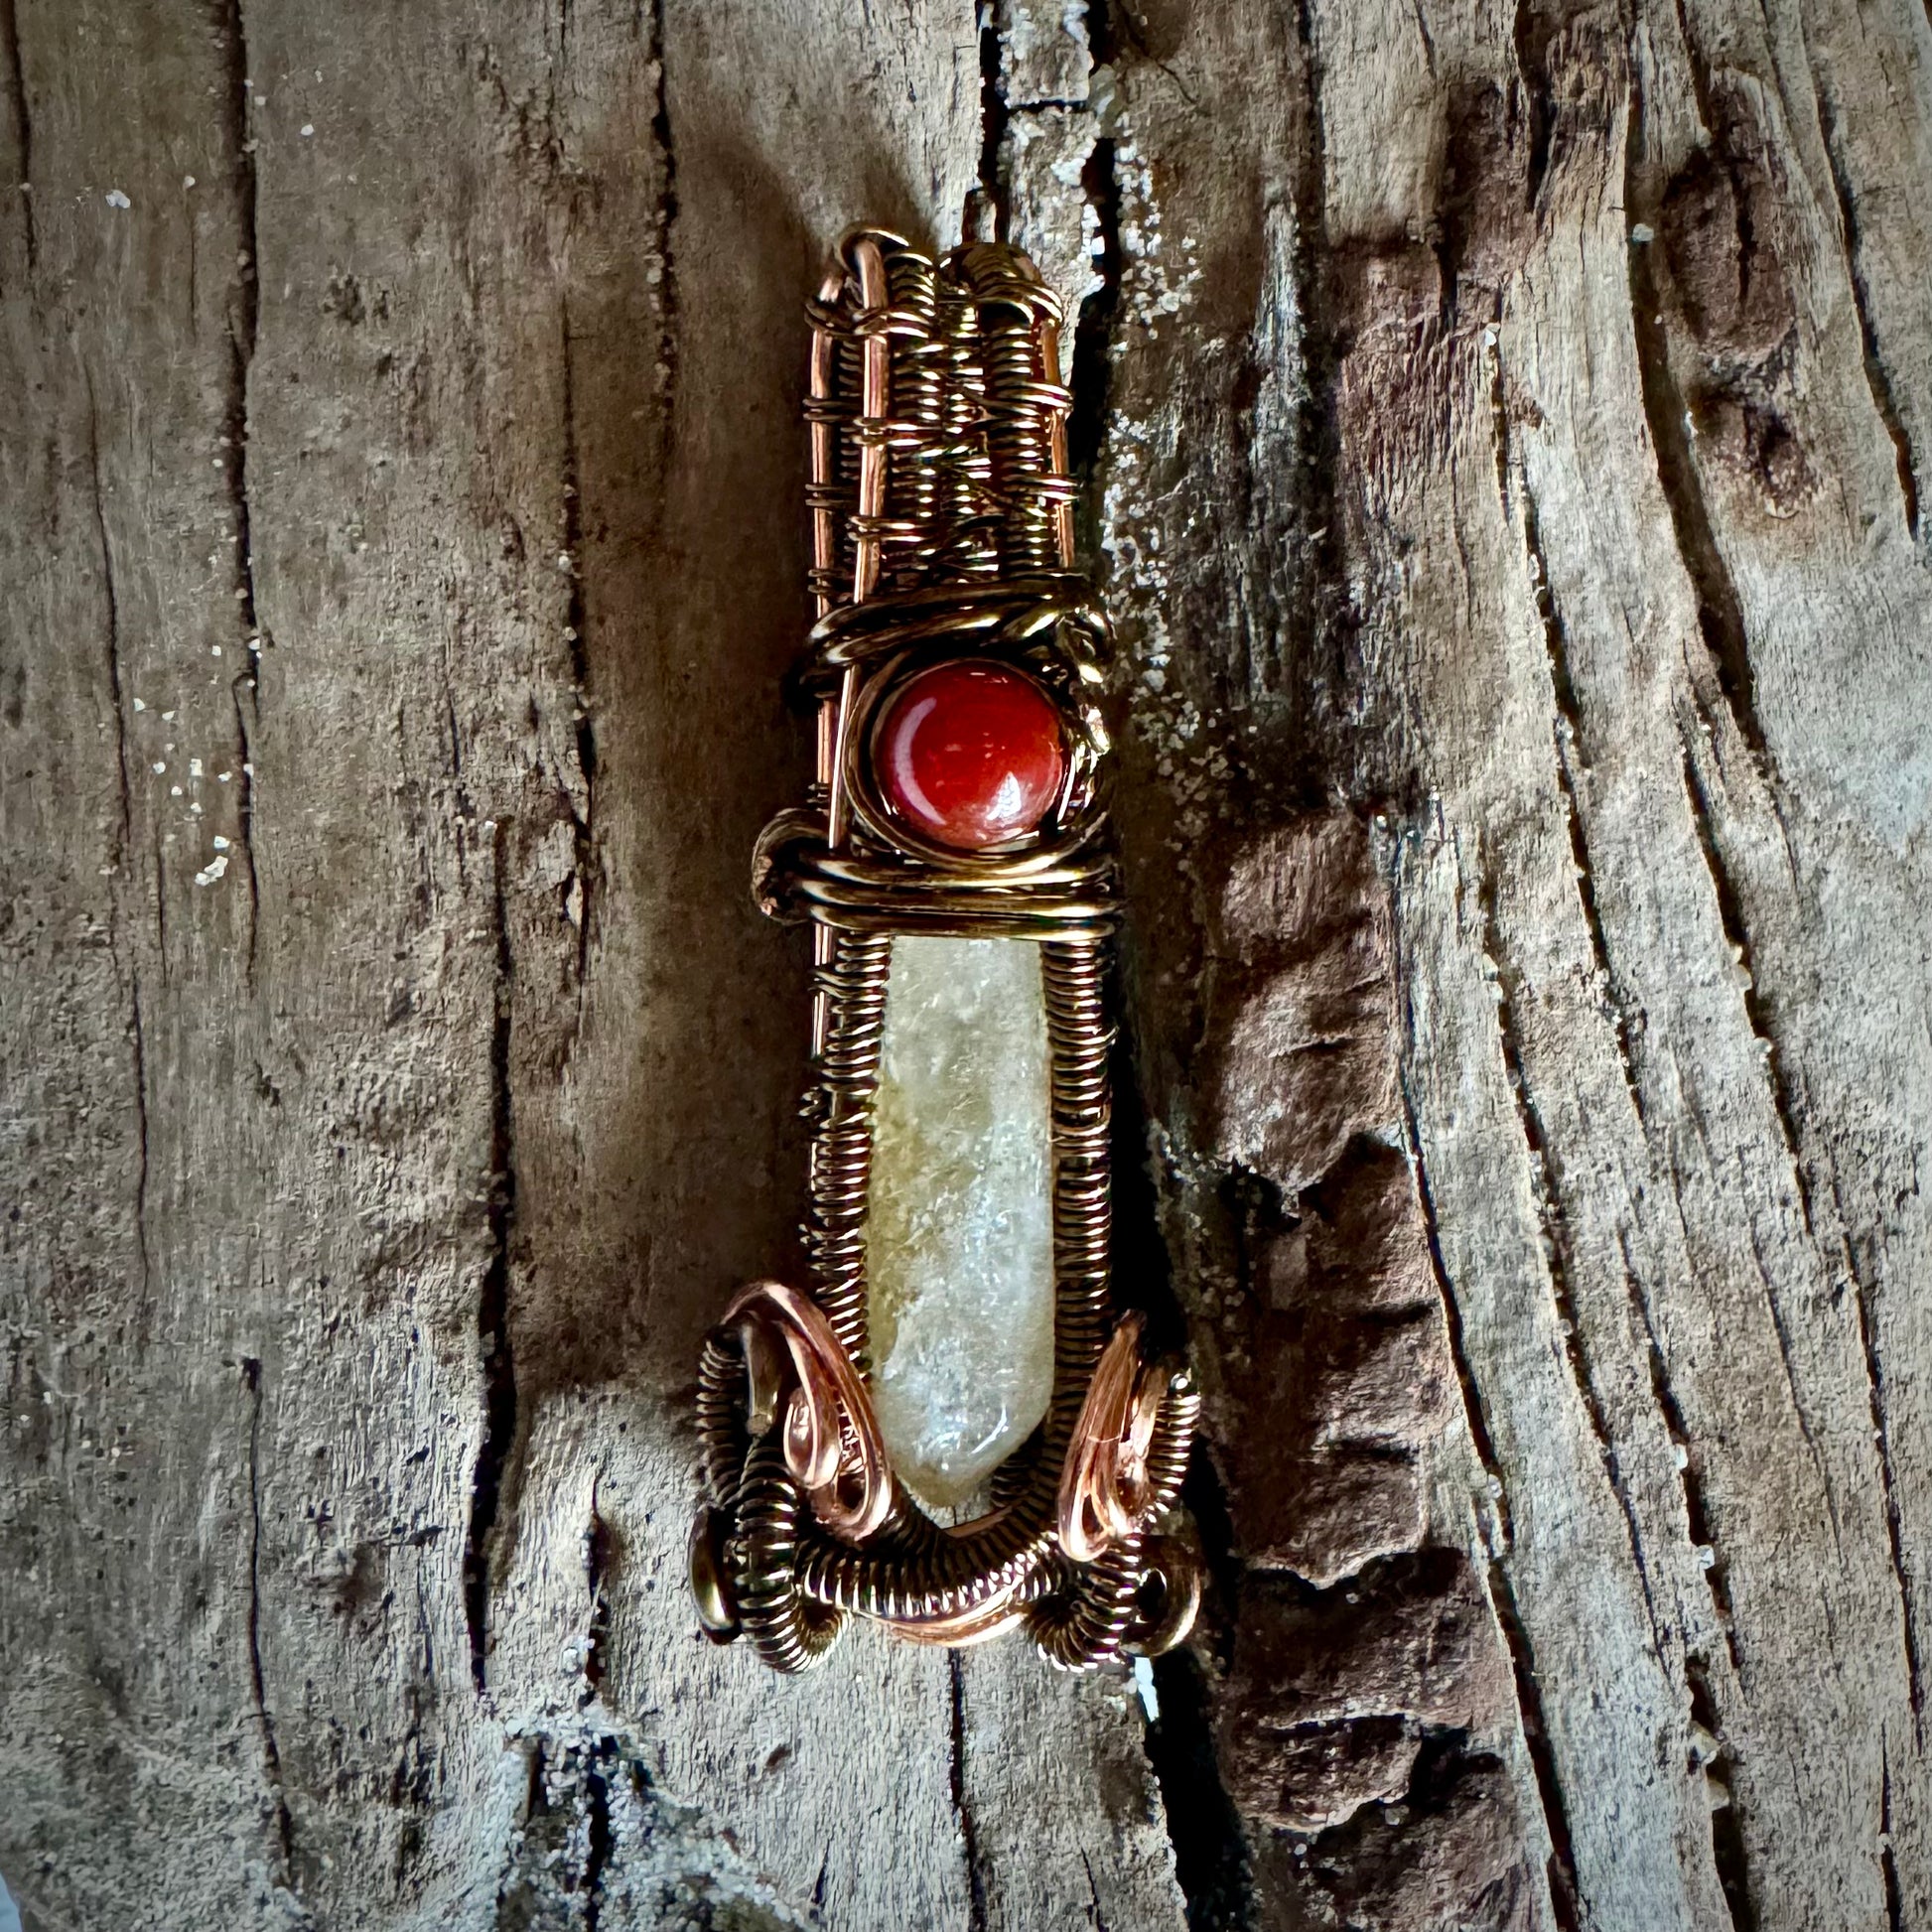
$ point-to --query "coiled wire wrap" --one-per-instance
(942, 528)
(790, 1631)
(841, 1155)
(974, 430)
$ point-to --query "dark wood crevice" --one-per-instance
(1721, 617)
(497, 1436)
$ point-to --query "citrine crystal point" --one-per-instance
(959, 1241)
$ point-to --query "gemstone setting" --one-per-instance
(959, 1234)
(971, 753)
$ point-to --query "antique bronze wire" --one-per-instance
(942, 528)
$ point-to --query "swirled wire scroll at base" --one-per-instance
(794, 1540)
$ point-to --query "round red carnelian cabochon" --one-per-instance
(971, 753)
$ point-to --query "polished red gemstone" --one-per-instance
(971, 753)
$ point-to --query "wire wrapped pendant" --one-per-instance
(954, 669)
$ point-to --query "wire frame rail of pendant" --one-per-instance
(942, 530)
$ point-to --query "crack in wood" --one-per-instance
(138, 1039)
(1091, 376)
(244, 318)
(112, 592)
(534, 1806)
(1731, 919)
(1721, 617)
(1781, 1331)
(1426, 37)
(1336, 618)
(961, 1805)
(1888, 1856)
(1531, 31)
(666, 234)
(251, 1375)
(1097, 1918)
(583, 860)
(986, 216)
(595, 1843)
(1727, 1850)
(600, 1552)
(1697, 1519)
(598, 1841)
(1567, 731)
(15, 87)
(1475, 1410)
(500, 1395)
(1115, 29)
(245, 800)
(124, 838)
(1560, 1873)
(1864, 1298)
(1213, 1864)
(1562, 1870)
(1878, 376)
(1552, 1219)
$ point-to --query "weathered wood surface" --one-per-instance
(1506, 429)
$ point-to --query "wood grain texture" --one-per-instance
(366, 1232)
(1505, 429)
(1608, 473)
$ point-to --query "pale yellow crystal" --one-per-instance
(959, 1232)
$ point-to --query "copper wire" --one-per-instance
(790, 1631)
(943, 524)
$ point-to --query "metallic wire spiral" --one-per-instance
(788, 1632)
